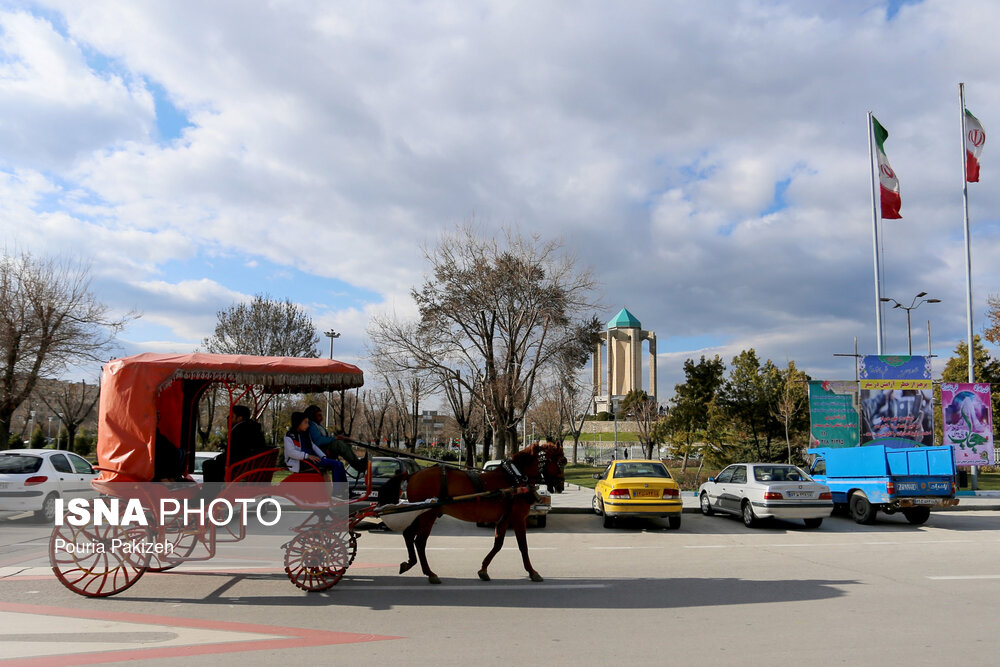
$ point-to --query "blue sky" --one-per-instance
(707, 161)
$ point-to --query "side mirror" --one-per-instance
(711, 479)
(597, 475)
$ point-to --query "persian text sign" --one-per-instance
(897, 400)
(968, 422)
(888, 367)
(833, 416)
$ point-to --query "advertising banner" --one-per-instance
(968, 422)
(833, 414)
(897, 400)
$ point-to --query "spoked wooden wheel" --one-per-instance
(316, 560)
(184, 539)
(98, 561)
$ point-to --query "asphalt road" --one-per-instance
(713, 592)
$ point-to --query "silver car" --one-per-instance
(32, 480)
(755, 491)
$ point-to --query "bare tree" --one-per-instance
(493, 313)
(375, 408)
(407, 392)
(73, 403)
(48, 319)
(263, 327)
(641, 409)
(546, 416)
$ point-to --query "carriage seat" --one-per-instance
(257, 469)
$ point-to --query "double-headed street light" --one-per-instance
(913, 306)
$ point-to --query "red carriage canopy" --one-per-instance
(146, 391)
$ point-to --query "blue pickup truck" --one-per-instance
(874, 478)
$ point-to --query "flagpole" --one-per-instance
(872, 166)
(968, 244)
(968, 256)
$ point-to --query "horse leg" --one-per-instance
(425, 523)
(498, 536)
(408, 536)
(520, 530)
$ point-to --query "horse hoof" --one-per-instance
(483, 575)
(536, 577)
(433, 579)
(403, 567)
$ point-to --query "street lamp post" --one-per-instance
(532, 432)
(913, 306)
(331, 334)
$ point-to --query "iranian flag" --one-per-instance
(888, 183)
(975, 137)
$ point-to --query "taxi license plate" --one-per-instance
(647, 493)
(799, 494)
(924, 501)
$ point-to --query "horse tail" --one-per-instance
(390, 491)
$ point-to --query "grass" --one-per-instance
(988, 481)
(608, 437)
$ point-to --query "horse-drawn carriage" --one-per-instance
(149, 409)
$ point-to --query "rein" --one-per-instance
(409, 455)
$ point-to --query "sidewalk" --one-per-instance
(578, 499)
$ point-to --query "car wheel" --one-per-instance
(609, 522)
(862, 511)
(813, 523)
(598, 507)
(706, 505)
(540, 521)
(917, 515)
(674, 521)
(749, 518)
(48, 511)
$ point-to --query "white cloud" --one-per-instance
(338, 139)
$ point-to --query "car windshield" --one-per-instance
(384, 468)
(19, 464)
(779, 474)
(641, 469)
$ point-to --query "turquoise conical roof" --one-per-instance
(624, 320)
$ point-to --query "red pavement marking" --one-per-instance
(294, 637)
(258, 570)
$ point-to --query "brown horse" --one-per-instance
(503, 496)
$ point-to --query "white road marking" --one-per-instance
(624, 548)
(970, 576)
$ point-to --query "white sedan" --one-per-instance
(756, 491)
(32, 479)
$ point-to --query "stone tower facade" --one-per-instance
(623, 366)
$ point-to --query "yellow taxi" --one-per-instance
(637, 488)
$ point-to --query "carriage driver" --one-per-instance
(333, 446)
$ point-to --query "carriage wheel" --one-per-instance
(350, 541)
(90, 562)
(183, 537)
(316, 560)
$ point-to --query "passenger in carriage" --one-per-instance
(246, 439)
(299, 447)
(333, 446)
(167, 466)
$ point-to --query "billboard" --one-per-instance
(833, 414)
(968, 422)
(897, 400)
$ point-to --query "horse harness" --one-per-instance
(518, 479)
